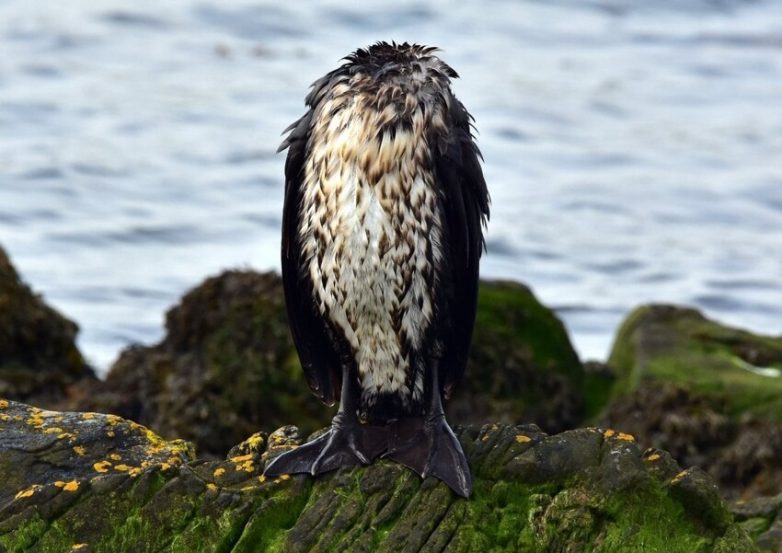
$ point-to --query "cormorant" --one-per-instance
(385, 204)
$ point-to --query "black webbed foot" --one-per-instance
(345, 444)
(430, 448)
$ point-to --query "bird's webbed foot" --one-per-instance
(346, 444)
(429, 447)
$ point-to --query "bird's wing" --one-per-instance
(466, 199)
(317, 350)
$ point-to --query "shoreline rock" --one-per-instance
(585, 489)
(39, 359)
(704, 391)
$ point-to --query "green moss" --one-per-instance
(522, 366)
(24, 535)
(266, 529)
(681, 346)
(509, 313)
(598, 389)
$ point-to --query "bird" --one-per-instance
(385, 207)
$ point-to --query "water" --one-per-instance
(632, 151)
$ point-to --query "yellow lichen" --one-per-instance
(218, 472)
(28, 492)
(113, 420)
(122, 468)
(262, 479)
(102, 466)
(3, 403)
(154, 438)
(65, 435)
(53, 430)
(255, 441)
(80, 450)
(522, 439)
(4, 417)
(71, 486)
(241, 458)
(110, 434)
(115, 457)
(285, 476)
(625, 437)
(211, 487)
(78, 546)
(59, 484)
(36, 420)
(134, 471)
(653, 457)
(87, 416)
(679, 477)
(608, 433)
(164, 466)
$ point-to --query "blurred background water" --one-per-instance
(633, 150)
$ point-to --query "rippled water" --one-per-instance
(633, 153)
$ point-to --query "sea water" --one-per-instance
(633, 149)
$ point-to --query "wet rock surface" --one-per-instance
(227, 367)
(39, 360)
(586, 489)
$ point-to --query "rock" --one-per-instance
(585, 489)
(39, 447)
(39, 360)
(681, 346)
(227, 367)
(761, 518)
(522, 365)
(742, 453)
(709, 394)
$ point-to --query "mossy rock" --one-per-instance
(39, 359)
(227, 366)
(522, 366)
(681, 346)
(743, 454)
(581, 490)
(761, 518)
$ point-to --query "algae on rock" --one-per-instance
(680, 345)
(581, 490)
(710, 394)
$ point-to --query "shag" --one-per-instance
(385, 204)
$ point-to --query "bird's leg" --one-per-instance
(345, 444)
(430, 447)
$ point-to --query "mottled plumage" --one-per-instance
(382, 234)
